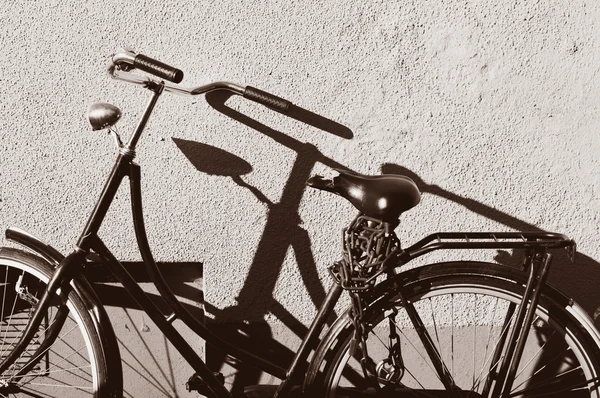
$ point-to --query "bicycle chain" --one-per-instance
(391, 370)
(369, 249)
(360, 338)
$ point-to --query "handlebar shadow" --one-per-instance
(282, 231)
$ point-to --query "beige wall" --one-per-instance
(494, 103)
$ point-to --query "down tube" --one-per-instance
(159, 319)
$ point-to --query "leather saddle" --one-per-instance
(384, 197)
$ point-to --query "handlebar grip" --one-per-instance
(158, 68)
(266, 99)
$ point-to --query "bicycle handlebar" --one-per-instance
(158, 68)
(128, 60)
(266, 99)
(124, 61)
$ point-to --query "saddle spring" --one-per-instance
(369, 245)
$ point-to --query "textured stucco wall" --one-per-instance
(492, 105)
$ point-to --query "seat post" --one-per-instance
(390, 226)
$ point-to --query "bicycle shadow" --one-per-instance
(283, 230)
(258, 337)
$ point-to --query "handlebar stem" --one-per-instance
(157, 89)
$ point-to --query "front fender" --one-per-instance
(34, 244)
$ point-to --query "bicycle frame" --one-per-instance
(72, 265)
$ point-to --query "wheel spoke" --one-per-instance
(558, 357)
(474, 338)
(418, 352)
(9, 321)
(35, 340)
(555, 380)
(3, 302)
(405, 369)
(544, 367)
(48, 348)
(452, 336)
(74, 361)
(437, 336)
(502, 334)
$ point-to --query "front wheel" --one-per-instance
(77, 363)
(468, 309)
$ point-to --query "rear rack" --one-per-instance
(491, 240)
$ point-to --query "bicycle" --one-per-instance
(396, 339)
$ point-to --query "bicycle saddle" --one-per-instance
(384, 197)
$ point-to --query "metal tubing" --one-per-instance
(51, 335)
(144, 80)
(489, 240)
(307, 344)
(81, 288)
(516, 357)
(434, 355)
(164, 290)
(492, 375)
(119, 170)
(516, 330)
(159, 319)
(142, 123)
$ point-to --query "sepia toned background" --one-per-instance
(492, 107)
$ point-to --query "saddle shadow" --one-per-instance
(581, 286)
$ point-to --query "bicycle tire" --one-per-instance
(78, 363)
(562, 346)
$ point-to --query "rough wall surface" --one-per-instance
(492, 106)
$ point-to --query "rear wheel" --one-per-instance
(75, 365)
(468, 310)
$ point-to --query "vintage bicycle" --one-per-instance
(453, 329)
